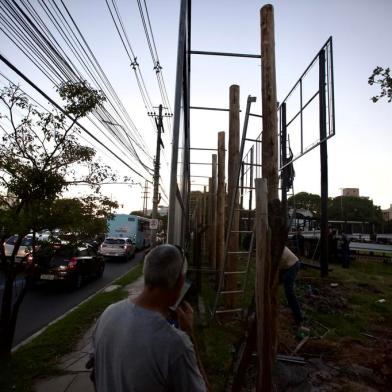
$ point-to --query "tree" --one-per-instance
(83, 218)
(307, 201)
(382, 77)
(355, 209)
(40, 157)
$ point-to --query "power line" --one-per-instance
(25, 78)
(62, 63)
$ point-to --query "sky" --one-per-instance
(359, 153)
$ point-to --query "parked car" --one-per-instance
(25, 247)
(72, 265)
(123, 248)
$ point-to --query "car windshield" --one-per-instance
(65, 252)
(11, 240)
(62, 256)
(27, 241)
(115, 241)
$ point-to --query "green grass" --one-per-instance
(40, 357)
(360, 288)
(217, 340)
(353, 309)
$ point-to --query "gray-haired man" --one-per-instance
(135, 348)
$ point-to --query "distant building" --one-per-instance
(387, 214)
(352, 192)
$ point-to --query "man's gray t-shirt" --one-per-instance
(137, 350)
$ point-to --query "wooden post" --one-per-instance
(276, 218)
(269, 102)
(213, 211)
(220, 204)
(250, 190)
(210, 208)
(198, 241)
(233, 165)
(262, 292)
(204, 208)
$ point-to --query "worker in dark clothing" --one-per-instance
(288, 269)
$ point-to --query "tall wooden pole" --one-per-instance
(220, 204)
(233, 165)
(205, 223)
(276, 218)
(262, 292)
(213, 211)
(269, 102)
(210, 208)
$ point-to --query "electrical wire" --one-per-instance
(53, 45)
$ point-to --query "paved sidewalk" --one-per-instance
(77, 378)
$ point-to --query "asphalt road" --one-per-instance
(44, 304)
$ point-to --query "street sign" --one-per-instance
(154, 224)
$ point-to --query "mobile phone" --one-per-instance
(184, 290)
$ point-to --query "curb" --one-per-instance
(43, 329)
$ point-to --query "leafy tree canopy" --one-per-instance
(308, 201)
(40, 157)
(383, 78)
(82, 219)
(40, 154)
(355, 209)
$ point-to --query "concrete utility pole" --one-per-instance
(145, 197)
(157, 163)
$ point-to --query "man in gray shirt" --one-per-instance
(135, 349)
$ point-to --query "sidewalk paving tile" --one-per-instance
(78, 365)
(81, 383)
(56, 384)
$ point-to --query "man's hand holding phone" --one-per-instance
(185, 317)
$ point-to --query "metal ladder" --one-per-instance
(224, 273)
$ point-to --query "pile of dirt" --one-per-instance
(346, 364)
(324, 297)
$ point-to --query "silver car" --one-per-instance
(25, 247)
(123, 248)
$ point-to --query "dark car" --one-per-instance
(72, 265)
